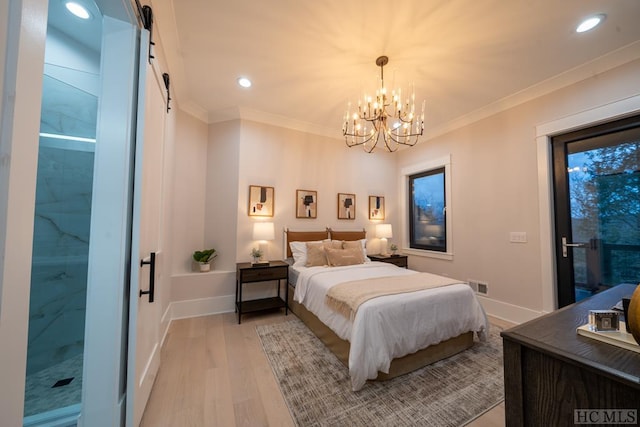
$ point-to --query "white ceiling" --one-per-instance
(307, 59)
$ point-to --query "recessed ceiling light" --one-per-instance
(244, 82)
(590, 23)
(78, 10)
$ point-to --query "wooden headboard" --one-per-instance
(311, 236)
(347, 235)
(302, 236)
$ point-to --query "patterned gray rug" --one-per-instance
(317, 389)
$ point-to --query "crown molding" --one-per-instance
(611, 60)
(194, 109)
(274, 120)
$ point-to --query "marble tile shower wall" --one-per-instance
(60, 256)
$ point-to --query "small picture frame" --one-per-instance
(261, 200)
(306, 204)
(346, 206)
(376, 207)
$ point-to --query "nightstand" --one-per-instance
(247, 274)
(399, 260)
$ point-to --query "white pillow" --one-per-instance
(364, 250)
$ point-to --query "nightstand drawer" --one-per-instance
(260, 274)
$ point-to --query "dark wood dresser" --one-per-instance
(550, 370)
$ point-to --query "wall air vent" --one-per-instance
(478, 287)
(473, 284)
(483, 288)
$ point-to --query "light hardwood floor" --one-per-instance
(214, 373)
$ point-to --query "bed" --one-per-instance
(389, 335)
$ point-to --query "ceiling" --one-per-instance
(465, 58)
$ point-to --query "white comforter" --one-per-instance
(390, 326)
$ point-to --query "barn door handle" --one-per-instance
(152, 274)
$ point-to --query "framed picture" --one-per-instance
(306, 204)
(346, 206)
(376, 207)
(260, 200)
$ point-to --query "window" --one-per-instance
(427, 210)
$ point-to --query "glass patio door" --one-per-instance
(597, 208)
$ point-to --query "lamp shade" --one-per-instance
(263, 231)
(384, 231)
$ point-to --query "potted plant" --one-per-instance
(394, 248)
(204, 258)
(256, 254)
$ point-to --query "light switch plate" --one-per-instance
(518, 237)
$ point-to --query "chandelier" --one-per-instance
(383, 116)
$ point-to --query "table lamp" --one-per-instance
(383, 232)
(262, 232)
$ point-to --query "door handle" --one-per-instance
(151, 261)
(566, 245)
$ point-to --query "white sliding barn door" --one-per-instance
(145, 315)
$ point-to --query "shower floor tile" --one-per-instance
(41, 396)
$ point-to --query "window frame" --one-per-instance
(405, 176)
(411, 209)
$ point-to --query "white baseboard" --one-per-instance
(509, 312)
(201, 307)
(195, 308)
(226, 304)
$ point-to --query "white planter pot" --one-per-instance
(205, 266)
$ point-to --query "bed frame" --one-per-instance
(340, 347)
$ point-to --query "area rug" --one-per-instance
(317, 389)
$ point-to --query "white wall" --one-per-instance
(495, 188)
(189, 189)
(289, 160)
(206, 176)
(222, 192)
(244, 153)
(24, 25)
(205, 187)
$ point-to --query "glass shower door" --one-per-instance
(82, 227)
(60, 246)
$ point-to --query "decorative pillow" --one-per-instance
(357, 244)
(299, 252)
(315, 254)
(341, 257)
(351, 245)
(333, 244)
